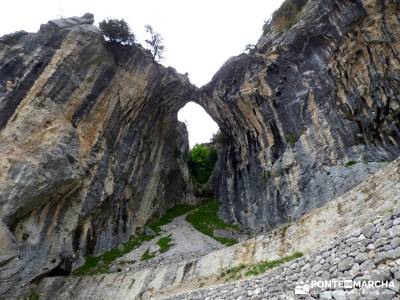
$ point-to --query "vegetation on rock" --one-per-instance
(148, 255)
(117, 31)
(250, 49)
(266, 265)
(238, 272)
(287, 14)
(100, 264)
(32, 296)
(155, 42)
(165, 243)
(350, 163)
(290, 138)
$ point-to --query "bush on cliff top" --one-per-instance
(287, 14)
(117, 31)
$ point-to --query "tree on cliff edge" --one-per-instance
(155, 42)
(117, 31)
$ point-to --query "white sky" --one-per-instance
(199, 36)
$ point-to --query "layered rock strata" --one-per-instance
(90, 146)
(312, 99)
(91, 149)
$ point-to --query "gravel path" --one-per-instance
(188, 243)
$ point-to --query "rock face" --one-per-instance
(90, 146)
(91, 149)
(309, 100)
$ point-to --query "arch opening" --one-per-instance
(201, 127)
(202, 133)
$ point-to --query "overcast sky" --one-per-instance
(199, 36)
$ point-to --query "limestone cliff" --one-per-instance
(90, 146)
(91, 149)
(312, 99)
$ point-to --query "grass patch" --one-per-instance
(100, 264)
(350, 163)
(169, 215)
(242, 270)
(165, 243)
(234, 273)
(205, 219)
(290, 138)
(148, 255)
(266, 265)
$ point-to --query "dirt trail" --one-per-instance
(187, 243)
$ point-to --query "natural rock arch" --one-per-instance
(91, 148)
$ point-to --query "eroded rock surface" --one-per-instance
(91, 149)
(310, 100)
(90, 146)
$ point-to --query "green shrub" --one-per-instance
(350, 163)
(117, 31)
(201, 162)
(290, 138)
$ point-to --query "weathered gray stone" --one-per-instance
(345, 264)
(395, 230)
(225, 233)
(360, 258)
(91, 149)
(90, 146)
(367, 265)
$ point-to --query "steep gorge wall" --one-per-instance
(90, 146)
(307, 101)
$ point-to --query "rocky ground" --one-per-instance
(369, 254)
(186, 243)
(333, 244)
